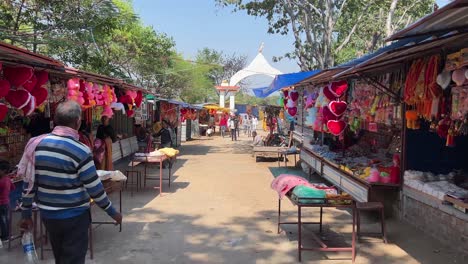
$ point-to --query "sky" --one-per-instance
(196, 24)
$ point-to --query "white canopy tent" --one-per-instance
(259, 66)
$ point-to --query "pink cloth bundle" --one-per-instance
(285, 182)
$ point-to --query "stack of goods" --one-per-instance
(432, 184)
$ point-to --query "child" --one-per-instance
(5, 187)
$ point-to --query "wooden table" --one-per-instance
(285, 154)
(323, 203)
(156, 159)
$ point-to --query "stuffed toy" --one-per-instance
(29, 108)
(107, 112)
(19, 75)
(292, 111)
(311, 116)
(374, 175)
(139, 99)
(328, 93)
(4, 88)
(458, 76)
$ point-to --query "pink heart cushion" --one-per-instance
(339, 88)
(17, 76)
(292, 111)
(30, 84)
(42, 77)
(336, 127)
(19, 98)
(3, 111)
(338, 107)
(40, 95)
(294, 95)
(29, 108)
(327, 114)
(4, 88)
(328, 94)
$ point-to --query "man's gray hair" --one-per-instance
(67, 114)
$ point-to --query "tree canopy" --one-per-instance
(330, 31)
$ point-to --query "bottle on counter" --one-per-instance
(28, 248)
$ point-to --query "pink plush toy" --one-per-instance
(374, 175)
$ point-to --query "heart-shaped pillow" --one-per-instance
(336, 127)
(327, 114)
(292, 111)
(17, 76)
(285, 93)
(4, 88)
(339, 88)
(291, 103)
(294, 95)
(338, 107)
(30, 84)
(328, 93)
(42, 77)
(139, 99)
(285, 102)
(19, 98)
(40, 95)
(3, 111)
(29, 108)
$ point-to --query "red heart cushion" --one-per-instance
(336, 127)
(30, 84)
(339, 88)
(17, 76)
(338, 107)
(139, 99)
(292, 111)
(285, 93)
(4, 88)
(3, 111)
(294, 95)
(327, 114)
(40, 95)
(19, 98)
(285, 102)
(29, 108)
(130, 113)
(328, 94)
(42, 77)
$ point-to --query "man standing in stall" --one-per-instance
(59, 174)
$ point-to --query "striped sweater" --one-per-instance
(65, 180)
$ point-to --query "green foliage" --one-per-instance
(330, 31)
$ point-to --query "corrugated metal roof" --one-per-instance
(16, 55)
(450, 17)
(427, 46)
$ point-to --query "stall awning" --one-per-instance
(416, 47)
(453, 16)
(281, 81)
(16, 55)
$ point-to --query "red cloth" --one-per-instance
(223, 121)
(6, 186)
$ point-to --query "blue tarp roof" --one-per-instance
(282, 81)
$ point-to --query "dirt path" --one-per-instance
(220, 209)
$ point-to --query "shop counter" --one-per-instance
(361, 190)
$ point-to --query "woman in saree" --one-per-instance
(105, 136)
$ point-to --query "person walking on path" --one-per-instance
(60, 176)
(223, 125)
(6, 186)
(233, 127)
(248, 126)
(254, 123)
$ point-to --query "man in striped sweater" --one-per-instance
(65, 180)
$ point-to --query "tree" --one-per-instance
(102, 36)
(323, 29)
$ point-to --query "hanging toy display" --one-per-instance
(333, 112)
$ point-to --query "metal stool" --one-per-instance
(132, 173)
(371, 206)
